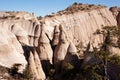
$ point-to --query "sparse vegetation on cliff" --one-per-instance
(76, 7)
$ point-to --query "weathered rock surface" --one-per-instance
(26, 41)
(61, 49)
(115, 10)
(81, 25)
(11, 51)
(65, 51)
(116, 13)
(35, 67)
(19, 34)
(44, 47)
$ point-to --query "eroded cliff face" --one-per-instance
(20, 32)
(81, 25)
(25, 41)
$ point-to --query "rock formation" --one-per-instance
(82, 23)
(115, 10)
(116, 13)
(35, 67)
(56, 33)
(11, 51)
(61, 48)
(65, 52)
(19, 39)
(37, 45)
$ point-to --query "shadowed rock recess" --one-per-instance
(39, 45)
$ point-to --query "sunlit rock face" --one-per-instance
(25, 41)
(35, 66)
(64, 52)
(61, 48)
(81, 25)
(19, 34)
(11, 51)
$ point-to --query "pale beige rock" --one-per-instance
(44, 48)
(72, 54)
(37, 35)
(43, 38)
(32, 65)
(9, 56)
(61, 49)
(11, 52)
(39, 69)
(56, 34)
(72, 48)
(81, 25)
(23, 40)
(31, 40)
(24, 30)
(21, 30)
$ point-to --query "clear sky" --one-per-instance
(44, 7)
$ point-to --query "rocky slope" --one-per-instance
(35, 45)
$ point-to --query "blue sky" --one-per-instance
(44, 7)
